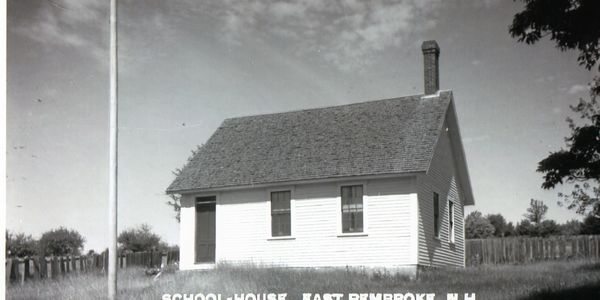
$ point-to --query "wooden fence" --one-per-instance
(518, 250)
(20, 270)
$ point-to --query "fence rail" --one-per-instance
(515, 250)
(19, 270)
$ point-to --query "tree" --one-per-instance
(140, 238)
(590, 225)
(571, 24)
(548, 227)
(499, 223)
(525, 227)
(510, 229)
(571, 227)
(536, 211)
(61, 241)
(478, 227)
(580, 164)
(20, 245)
(175, 201)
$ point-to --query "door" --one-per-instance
(205, 229)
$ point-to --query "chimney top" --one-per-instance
(430, 45)
(431, 72)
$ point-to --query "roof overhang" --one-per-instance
(459, 154)
(293, 182)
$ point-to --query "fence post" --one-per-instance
(8, 270)
(31, 267)
(163, 260)
(55, 266)
(75, 261)
(48, 267)
(21, 271)
(69, 262)
(105, 261)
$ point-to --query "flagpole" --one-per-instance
(112, 159)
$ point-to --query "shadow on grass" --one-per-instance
(588, 291)
(595, 267)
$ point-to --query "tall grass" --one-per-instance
(547, 280)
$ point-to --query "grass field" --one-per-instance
(547, 280)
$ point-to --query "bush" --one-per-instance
(499, 223)
(20, 245)
(478, 227)
(140, 238)
(571, 227)
(527, 228)
(60, 242)
(591, 225)
(549, 227)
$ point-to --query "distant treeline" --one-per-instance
(68, 242)
(534, 224)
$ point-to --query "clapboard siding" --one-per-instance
(243, 227)
(442, 179)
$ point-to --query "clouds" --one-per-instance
(578, 88)
(77, 24)
(348, 34)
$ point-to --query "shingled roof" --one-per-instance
(390, 136)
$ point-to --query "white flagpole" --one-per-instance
(112, 159)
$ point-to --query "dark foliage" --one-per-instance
(61, 241)
(175, 201)
(536, 212)
(510, 229)
(477, 226)
(571, 24)
(572, 227)
(548, 228)
(139, 239)
(526, 228)
(580, 163)
(499, 223)
(20, 245)
(590, 225)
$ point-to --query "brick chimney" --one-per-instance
(431, 54)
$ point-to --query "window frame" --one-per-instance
(436, 215)
(451, 222)
(269, 228)
(365, 209)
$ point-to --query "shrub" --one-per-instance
(20, 245)
(61, 241)
(591, 225)
(478, 227)
(140, 238)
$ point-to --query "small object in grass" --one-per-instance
(152, 271)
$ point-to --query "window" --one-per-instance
(280, 213)
(451, 221)
(352, 208)
(436, 214)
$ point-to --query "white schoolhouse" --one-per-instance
(377, 184)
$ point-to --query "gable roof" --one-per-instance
(391, 136)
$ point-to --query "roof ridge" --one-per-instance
(416, 96)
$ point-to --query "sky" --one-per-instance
(185, 66)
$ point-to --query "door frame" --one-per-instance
(200, 200)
